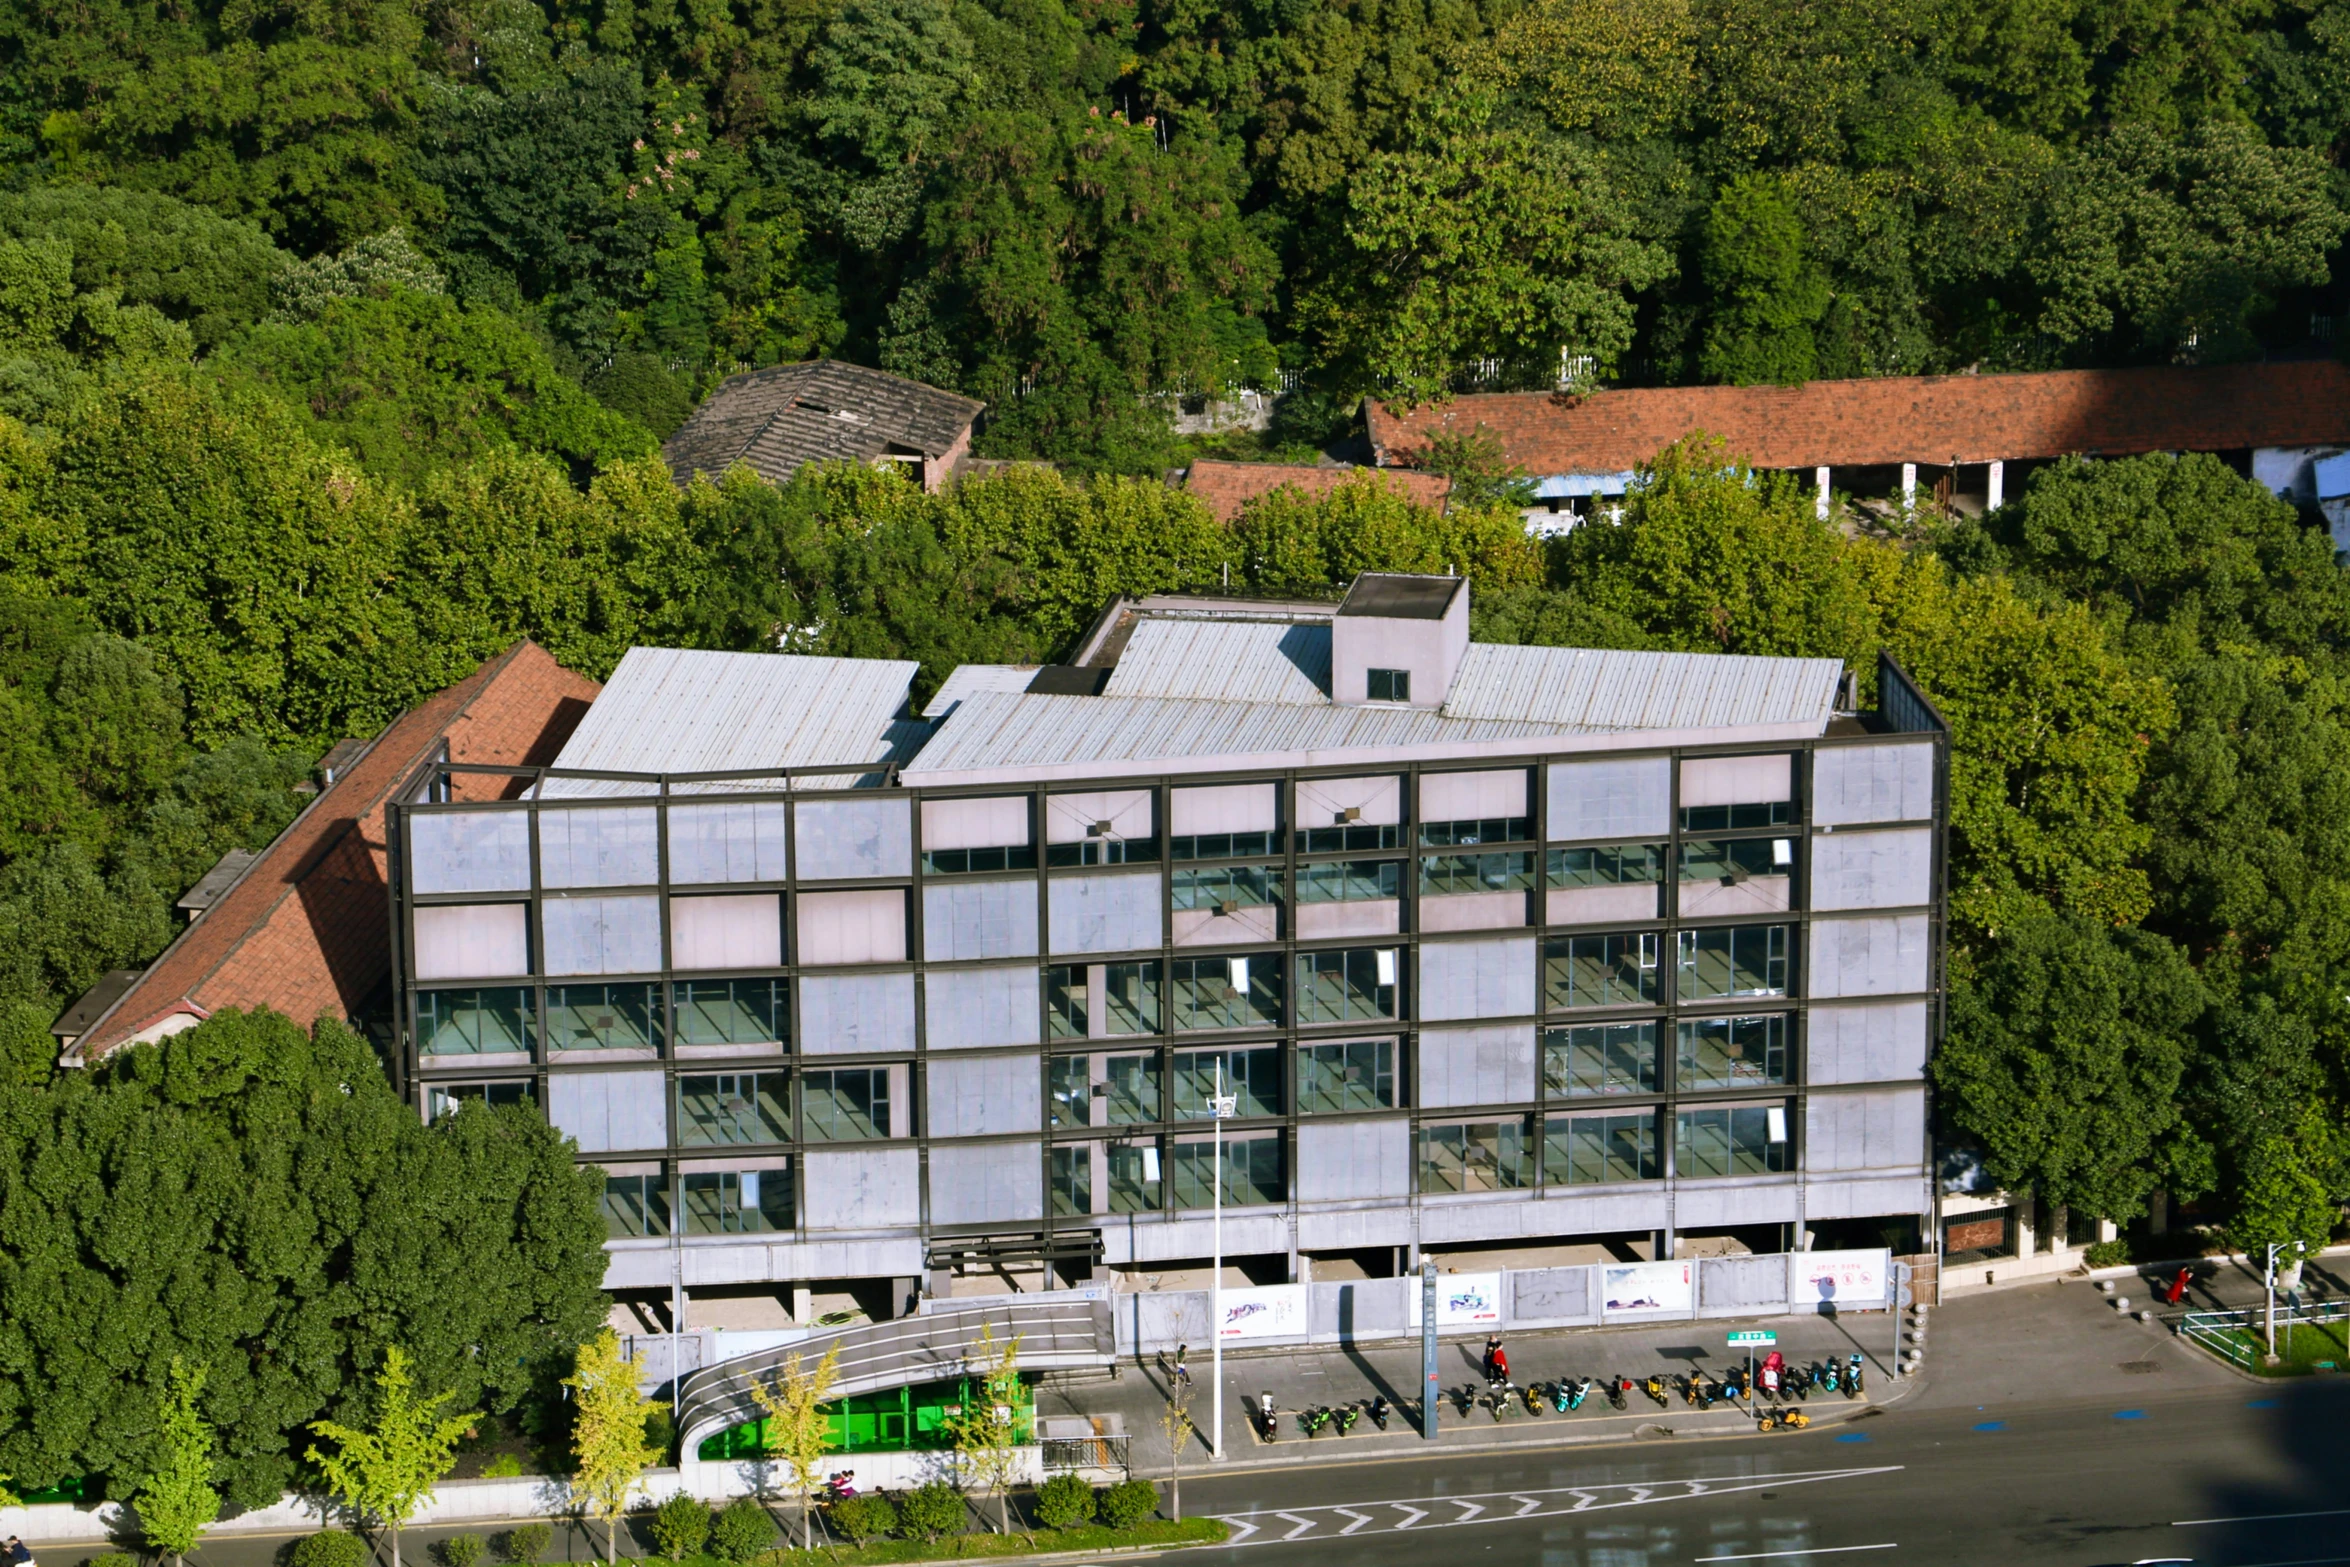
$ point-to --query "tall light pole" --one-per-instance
(1219, 1107)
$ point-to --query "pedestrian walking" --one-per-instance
(1182, 1368)
(1501, 1363)
(2178, 1287)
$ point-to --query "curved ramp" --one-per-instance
(1054, 1336)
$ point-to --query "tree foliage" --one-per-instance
(383, 1471)
(608, 1447)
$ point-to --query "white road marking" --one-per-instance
(2197, 1523)
(1554, 1502)
(1817, 1550)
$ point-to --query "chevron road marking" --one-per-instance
(1308, 1522)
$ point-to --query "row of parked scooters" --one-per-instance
(1775, 1384)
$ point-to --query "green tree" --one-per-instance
(178, 1501)
(1768, 292)
(1478, 240)
(986, 1432)
(608, 1446)
(797, 1428)
(2066, 1051)
(384, 1471)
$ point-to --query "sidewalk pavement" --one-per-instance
(1301, 1377)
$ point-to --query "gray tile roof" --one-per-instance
(820, 411)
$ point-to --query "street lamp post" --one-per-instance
(1220, 1107)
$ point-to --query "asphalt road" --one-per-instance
(2236, 1474)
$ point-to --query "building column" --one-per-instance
(1909, 486)
(1995, 491)
(1819, 506)
(803, 1304)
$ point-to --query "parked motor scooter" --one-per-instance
(1655, 1388)
(1618, 1390)
(1379, 1412)
(1827, 1377)
(1852, 1377)
(1533, 1397)
(1347, 1418)
(1772, 1375)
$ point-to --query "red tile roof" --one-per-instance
(1901, 419)
(306, 929)
(1228, 486)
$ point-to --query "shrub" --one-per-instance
(742, 1531)
(330, 1548)
(503, 1467)
(461, 1550)
(864, 1518)
(1064, 1501)
(933, 1512)
(2106, 1254)
(1123, 1506)
(527, 1542)
(680, 1526)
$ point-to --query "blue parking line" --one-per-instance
(1992, 1425)
(2262, 1403)
(2129, 1414)
(1853, 1436)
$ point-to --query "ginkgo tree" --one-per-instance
(384, 1472)
(608, 1443)
(179, 1501)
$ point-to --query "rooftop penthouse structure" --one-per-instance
(1493, 947)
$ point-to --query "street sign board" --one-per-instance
(1754, 1336)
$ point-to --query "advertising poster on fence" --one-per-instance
(1272, 1311)
(1463, 1300)
(1648, 1286)
(1851, 1278)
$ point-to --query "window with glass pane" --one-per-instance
(1222, 845)
(1729, 818)
(1103, 851)
(1252, 1172)
(604, 1017)
(1349, 881)
(963, 862)
(1352, 838)
(1732, 1052)
(1735, 960)
(733, 1107)
(1481, 1156)
(1736, 859)
(1605, 865)
(1069, 1085)
(732, 1202)
(1357, 1075)
(1072, 1181)
(1601, 971)
(1600, 1058)
(1346, 987)
(1228, 992)
(1251, 1077)
(1442, 875)
(1133, 1083)
(1593, 1150)
(732, 1011)
(1134, 1177)
(1130, 997)
(844, 1106)
(473, 1022)
(1731, 1140)
(636, 1205)
(1227, 887)
(1064, 1000)
(1492, 829)
(443, 1098)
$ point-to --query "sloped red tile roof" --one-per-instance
(1901, 419)
(1228, 486)
(306, 929)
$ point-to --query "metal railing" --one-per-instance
(2233, 1334)
(1087, 1453)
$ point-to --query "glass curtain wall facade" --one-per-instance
(1004, 1011)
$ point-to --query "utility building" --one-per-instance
(1494, 947)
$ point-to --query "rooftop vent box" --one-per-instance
(1397, 641)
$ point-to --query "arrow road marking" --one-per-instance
(1530, 1504)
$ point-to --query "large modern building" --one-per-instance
(1491, 947)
